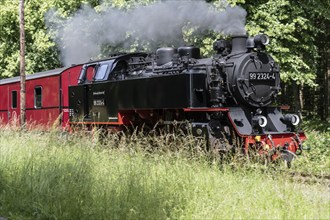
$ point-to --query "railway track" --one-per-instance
(310, 178)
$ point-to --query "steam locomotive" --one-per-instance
(226, 99)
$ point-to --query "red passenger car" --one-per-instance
(46, 97)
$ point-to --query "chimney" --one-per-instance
(239, 44)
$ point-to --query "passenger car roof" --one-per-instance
(33, 76)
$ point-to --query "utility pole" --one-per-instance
(22, 64)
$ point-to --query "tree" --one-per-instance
(22, 64)
(41, 51)
(299, 41)
(318, 12)
(9, 38)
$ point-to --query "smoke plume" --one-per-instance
(83, 35)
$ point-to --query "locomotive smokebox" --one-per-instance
(238, 44)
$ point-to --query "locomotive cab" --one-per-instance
(94, 72)
(114, 68)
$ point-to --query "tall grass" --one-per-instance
(317, 159)
(56, 176)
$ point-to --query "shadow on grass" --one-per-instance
(68, 184)
(47, 190)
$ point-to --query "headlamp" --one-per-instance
(291, 119)
(260, 120)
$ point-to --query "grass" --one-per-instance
(55, 176)
(317, 159)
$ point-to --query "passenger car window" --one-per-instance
(13, 99)
(37, 97)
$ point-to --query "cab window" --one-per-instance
(90, 72)
(119, 70)
(101, 71)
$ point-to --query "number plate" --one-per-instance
(262, 76)
(98, 102)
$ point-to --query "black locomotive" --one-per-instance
(226, 98)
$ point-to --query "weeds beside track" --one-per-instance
(57, 176)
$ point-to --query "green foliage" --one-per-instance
(317, 126)
(126, 4)
(299, 36)
(317, 159)
(9, 36)
(291, 30)
(41, 52)
(291, 35)
(52, 176)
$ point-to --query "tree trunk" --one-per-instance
(327, 88)
(296, 91)
(301, 97)
(22, 65)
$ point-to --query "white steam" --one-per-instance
(82, 36)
